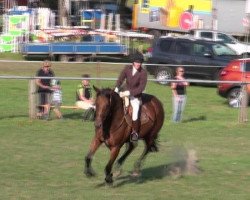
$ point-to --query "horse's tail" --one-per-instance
(159, 112)
(159, 119)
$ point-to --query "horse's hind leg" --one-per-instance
(150, 146)
(138, 163)
(129, 148)
(88, 170)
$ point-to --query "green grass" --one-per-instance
(44, 159)
(11, 56)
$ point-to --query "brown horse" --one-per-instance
(112, 128)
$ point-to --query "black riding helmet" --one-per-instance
(137, 57)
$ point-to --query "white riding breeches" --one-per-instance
(135, 103)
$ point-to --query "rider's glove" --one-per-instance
(116, 90)
(124, 94)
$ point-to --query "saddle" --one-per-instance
(144, 113)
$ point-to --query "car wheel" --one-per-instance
(234, 97)
(163, 74)
(79, 58)
(64, 58)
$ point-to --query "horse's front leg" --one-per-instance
(114, 151)
(95, 144)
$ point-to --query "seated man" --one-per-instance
(84, 98)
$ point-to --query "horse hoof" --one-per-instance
(109, 179)
(89, 173)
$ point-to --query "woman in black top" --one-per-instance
(179, 94)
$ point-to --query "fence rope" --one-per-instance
(114, 79)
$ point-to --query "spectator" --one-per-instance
(44, 89)
(136, 80)
(56, 99)
(84, 98)
(179, 94)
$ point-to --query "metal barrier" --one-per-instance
(33, 98)
(32, 87)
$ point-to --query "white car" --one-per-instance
(239, 47)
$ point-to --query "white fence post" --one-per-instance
(32, 99)
(244, 105)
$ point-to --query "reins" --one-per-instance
(123, 118)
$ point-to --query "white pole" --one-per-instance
(117, 22)
(103, 17)
(110, 20)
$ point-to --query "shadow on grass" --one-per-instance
(66, 116)
(185, 163)
(149, 174)
(76, 115)
(12, 117)
(200, 118)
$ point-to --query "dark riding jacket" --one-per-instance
(135, 84)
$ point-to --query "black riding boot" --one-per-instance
(134, 136)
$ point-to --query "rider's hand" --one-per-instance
(116, 90)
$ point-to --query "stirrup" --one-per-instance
(134, 137)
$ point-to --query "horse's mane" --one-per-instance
(116, 101)
(104, 91)
(108, 92)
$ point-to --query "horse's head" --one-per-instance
(104, 103)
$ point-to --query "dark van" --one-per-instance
(201, 59)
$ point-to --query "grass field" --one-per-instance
(44, 159)
(10, 56)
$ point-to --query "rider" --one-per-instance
(136, 80)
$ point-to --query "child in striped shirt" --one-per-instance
(56, 97)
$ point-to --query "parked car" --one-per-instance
(205, 59)
(236, 70)
(241, 48)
